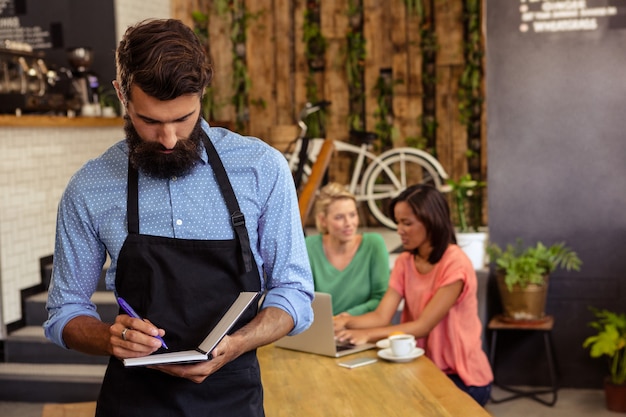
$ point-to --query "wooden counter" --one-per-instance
(307, 385)
(59, 121)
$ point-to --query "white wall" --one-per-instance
(36, 165)
(129, 12)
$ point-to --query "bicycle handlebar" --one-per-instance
(310, 108)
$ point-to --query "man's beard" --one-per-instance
(148, 157)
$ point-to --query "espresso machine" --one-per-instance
(27, 84)
(85, 82)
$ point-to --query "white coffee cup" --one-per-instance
(402, 344)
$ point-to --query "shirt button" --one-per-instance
(179, 222)
(174, 178)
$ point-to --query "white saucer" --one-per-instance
(383, 344)
(387, 355)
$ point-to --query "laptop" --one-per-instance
(320, 337)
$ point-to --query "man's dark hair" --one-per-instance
(431, 208)
(164, 58)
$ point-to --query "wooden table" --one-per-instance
(307, 385)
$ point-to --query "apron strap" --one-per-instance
(132, 211)
(236, 216)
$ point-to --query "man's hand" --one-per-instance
(226, 351)
(268, 326)
(131, 337)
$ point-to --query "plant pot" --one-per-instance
(523, 304)
(474, 245)
(615, 395)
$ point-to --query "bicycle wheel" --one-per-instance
(388, 176)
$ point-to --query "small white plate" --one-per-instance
(387, 355)
(383, 344)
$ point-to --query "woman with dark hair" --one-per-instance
(438, 284)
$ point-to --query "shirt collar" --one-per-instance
(204, 157)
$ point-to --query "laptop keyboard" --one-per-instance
(344, 346)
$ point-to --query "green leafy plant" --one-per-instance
(355, 54)
(414, 7)
(315, 45)
(465, 199)
(470, 92)
(384, 127)
(530, 265)
(610, 341)
(201, 28)
(107, 97)
(429, 46)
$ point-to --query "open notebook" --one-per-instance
(203, 351)
(320, 337)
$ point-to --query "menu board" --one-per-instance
(548, 16)
(52, 26)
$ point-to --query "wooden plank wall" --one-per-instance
(277, 68)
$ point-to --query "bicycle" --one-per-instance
(375, 179)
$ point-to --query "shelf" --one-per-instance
(59, 121)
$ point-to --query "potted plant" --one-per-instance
(109, 103)
(465, 201)
(610, 341)
(522, 274)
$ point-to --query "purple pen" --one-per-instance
(129, 310)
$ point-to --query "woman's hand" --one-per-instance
(354, 336)
(340, 320)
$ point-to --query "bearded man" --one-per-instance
(190, 216)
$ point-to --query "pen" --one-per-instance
(129, 310)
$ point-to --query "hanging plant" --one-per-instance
(314, 42)
(414, 7)
(384, 112)
(429, 49)
(201, 29)
(241, 83)
(355, 66)
(315, 45)
(470, 93)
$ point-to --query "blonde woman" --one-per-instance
(352, 267)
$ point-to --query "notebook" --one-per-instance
(203, 351)
(320, 337)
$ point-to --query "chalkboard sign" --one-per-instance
(52, 26)
(556, 88)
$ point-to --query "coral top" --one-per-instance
(455, 344)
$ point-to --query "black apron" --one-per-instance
(184, 286)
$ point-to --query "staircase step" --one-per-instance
(50, 382)
(35, 307)
(29, 345)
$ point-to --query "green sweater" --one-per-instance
(361, 285)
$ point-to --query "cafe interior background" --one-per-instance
(531, 106)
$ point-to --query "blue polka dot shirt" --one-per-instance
(91, 223)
